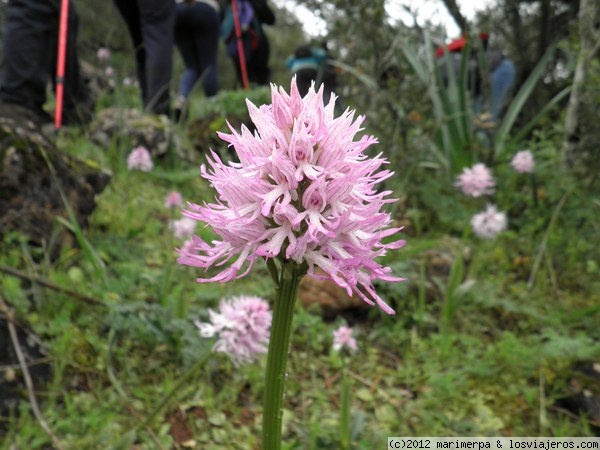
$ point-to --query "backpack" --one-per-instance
(251, 14)
(249, 25)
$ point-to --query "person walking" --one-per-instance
(305, 64)
(151, 26)
(251, 16)
(197, 39)
(30, 46)
(500, 70)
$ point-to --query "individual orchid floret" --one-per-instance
(523, 162)
(489, 223)
(476, 181)
(303, 191)
(103, 54)
(183, 228)
(173, 200)
(242, 326)
(342, 337)
(140, 159)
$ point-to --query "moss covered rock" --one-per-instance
(37, 179)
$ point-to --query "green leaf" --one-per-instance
(516, 105)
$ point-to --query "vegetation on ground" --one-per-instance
(495, 337)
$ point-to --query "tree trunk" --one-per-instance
(588, 46)
(544, 27)
(513, 16)
(454, 11)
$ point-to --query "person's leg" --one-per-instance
(232, 52)
(31, 28)
(206, 38)
(189, 77)
(502, 79)
(131, 15)
(186, 44)
(158, 20)
(259, 71)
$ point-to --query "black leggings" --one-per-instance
(30, 50)
(150, 24)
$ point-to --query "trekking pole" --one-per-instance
(240, 44)
(60, 64)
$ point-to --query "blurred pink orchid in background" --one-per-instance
(489, 223)
(173, 200)
(103, 54)
(476, 181)
(140, 159)
(342, 337)
(303, 191)
(183, 228)
(523, 162)
(242, 325)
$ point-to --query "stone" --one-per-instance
(154, 132)
(330, 298)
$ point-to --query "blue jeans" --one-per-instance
(501, 80)
(197, 38)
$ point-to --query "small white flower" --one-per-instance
(242, 325)
(489, 223)
(342, 337)
(523, 162)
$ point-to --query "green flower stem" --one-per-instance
(345, 411)
(279, 343)
(534, 192)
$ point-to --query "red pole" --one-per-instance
(60, 64)
(240, 44)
